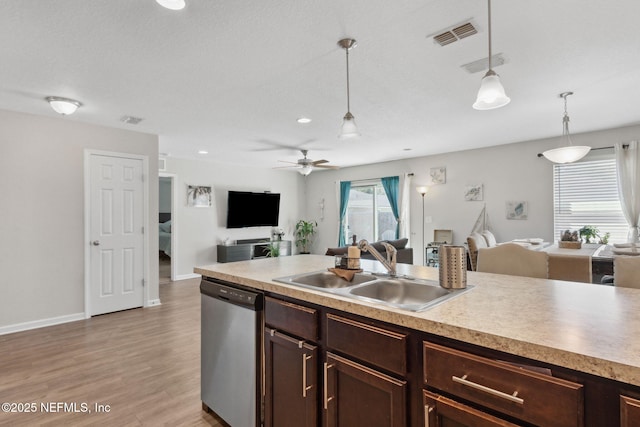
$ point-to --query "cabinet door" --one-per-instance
(291, 381)
(629, 412)
(442, 412)
(355, 395)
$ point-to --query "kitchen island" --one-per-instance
(590, 329)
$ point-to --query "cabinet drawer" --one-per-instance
(380, 347)
(530, 396)
(629, 411)
(293, 318)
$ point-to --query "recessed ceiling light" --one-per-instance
(172, 4)
(407, 149)
(203, 152)
(304, 120)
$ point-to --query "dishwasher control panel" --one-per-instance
(231, 293)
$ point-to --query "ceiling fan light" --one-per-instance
(172, 4)
(349, 129)
(64, 106)
(568, 154)
(491, 94)
(305, 170)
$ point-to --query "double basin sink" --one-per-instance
(399, 292)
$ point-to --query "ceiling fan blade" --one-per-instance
(326, 166)
(285, 167)
(285, 161)
(317, 162)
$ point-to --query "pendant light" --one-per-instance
(349, 129)
(491, 94)
(569, 153)
(64, 106)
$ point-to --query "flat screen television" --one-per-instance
(246, 209)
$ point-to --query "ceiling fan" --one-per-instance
(306, 165)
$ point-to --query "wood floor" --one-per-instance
(143, 363)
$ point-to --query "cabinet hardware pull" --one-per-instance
(427, 415)
(327, 399)
(511, 397)
(305, 387)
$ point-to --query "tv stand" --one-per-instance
(247, 249)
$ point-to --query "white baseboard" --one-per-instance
(18, 327)
(188, 276)
(153, 302)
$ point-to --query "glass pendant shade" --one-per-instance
(63, 106)
(305, 170)
(172, 4)
(568, 154)
(349, 128)
(491, 94)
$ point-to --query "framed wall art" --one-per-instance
(473, 193)
(438, 175)
(198, 196)
(517, 210)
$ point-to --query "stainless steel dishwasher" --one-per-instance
(231, 322)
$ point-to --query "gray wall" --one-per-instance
(507, 172)
(199, 230)
(42, 212)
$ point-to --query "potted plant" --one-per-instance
(588, 232)
(272, 250)
(304, 231)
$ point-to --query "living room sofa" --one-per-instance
(404, 255)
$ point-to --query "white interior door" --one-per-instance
(116, 234)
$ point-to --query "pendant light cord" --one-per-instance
(348, 100)
(489, 8)
(565, 121)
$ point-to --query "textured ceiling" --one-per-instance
(231, 77)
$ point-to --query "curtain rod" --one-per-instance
(598, 148)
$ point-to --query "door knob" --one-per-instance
(96, 243)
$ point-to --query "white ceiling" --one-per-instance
(232, 77)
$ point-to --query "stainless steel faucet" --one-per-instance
(389, 263)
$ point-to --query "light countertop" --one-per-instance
(588, 328)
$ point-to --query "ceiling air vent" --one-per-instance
(455, 33)
(131, 120)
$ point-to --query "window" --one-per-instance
(586, 193)
(369, 215)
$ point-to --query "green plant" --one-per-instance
(604, 240)
(272, 250)
(588, 232)
(304, 232)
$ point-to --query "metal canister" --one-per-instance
(453, 267)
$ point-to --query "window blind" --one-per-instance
(586, 193)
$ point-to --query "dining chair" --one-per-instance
(513, 259)
(572, 268)
(626, 271)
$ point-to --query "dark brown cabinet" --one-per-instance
(440, 411)
(291, 381)
(629, 412)
(290, 364)
(355, 395)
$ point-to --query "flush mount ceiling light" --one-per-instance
(349, 129)
(569, 153)
(172, 4)
(491, 94)
(304, 120)
(64, 106)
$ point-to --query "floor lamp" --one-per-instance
(422, 189)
